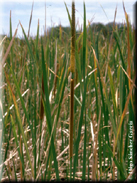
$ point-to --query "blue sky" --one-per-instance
(96, 10)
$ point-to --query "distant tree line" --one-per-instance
(64, 33)
(107, 29)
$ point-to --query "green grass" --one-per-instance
(36, 142)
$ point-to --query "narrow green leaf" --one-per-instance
(84, 150)
(112, 89)
(22, 102)
(28, 44)
(48, 111)
(19, 120)
(119, 48)
(16, 140)
(79, 129)
(14, 171)
(84, 42)
(11, 56)
(68, 13)
(37, 39)
(116, 162)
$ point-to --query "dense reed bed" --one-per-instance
(68, 105)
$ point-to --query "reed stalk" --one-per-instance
(72, 70)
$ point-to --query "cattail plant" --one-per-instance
(72, 70)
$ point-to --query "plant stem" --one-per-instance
(72, 69)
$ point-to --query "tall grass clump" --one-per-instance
(68, 102)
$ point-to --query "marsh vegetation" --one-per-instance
(43, 92)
